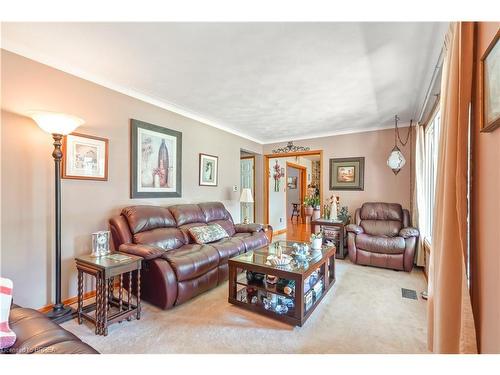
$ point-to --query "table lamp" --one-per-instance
(246, 198)
(59, 125)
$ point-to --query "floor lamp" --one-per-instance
(58, 125)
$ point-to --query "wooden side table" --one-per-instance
(108, 308)
(329, 227)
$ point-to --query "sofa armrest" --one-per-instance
(353, 228)
(145, 251)
(409, 232)
(248, 228)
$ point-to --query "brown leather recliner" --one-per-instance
(381, 236)
(37, 334)
(175, 268)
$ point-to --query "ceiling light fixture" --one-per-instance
(290, 147)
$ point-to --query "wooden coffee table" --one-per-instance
(313, 277)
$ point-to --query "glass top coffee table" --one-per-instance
(287, 292)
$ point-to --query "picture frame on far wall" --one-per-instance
(85, 157)
(292, 182)
(209, 170)
(489, 86)
(156, 161)
(347, 174)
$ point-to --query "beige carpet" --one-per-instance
(362, 313)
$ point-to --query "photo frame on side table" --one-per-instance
(85, 157)
(156, 161)
(209, 170)
(347, 174)
(489, 89)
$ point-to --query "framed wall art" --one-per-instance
(489, 91)
(347, 173)
(209, 170)
(156, 165)
(85, 157)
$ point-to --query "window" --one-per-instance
(431, 158)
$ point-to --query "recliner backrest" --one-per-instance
(381, 219)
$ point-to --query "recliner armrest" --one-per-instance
(145, 251)
(248, 228)
(409, 232)
(353, 228)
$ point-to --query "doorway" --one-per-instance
(247, 181)
(276, 185)
(296, 187)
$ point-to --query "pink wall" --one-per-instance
(380, 182)
(485, 218)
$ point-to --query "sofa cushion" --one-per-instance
(166, 238)
(143, 218)
(381, 211)
(207, 233)
(252, 241)
(214, 211)
(384, 245)
(389, 228)
(190, 261)
(227, 225)
(228, 248)
(187, 214)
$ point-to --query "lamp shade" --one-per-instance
(396, 160)
(56, 123)
(246, 196)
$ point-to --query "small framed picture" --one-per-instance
(209, 169)
(489, 91)
(347, 173)
(292, 182)
(85, 157)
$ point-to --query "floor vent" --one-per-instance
(408, 293)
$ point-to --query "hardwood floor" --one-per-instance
(297, 231)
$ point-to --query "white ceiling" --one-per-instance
(266, 81)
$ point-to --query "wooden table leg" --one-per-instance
(120, 294)
(80, 296)
(138, 294)
(129, 294)
(98, 304)
(110, 290)
(232, 282)
(106, 306)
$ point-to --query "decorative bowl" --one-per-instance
(279, 261)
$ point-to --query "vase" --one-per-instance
(317, 243)
(316, 213)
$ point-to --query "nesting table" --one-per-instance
(110, 271)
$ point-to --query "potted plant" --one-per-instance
(316, 204)
(308, 206)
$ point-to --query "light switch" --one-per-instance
(235, 188)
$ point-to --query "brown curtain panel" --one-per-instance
(450, 321)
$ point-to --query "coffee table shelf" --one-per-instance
(317, 272)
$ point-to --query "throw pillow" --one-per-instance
(7, 337)
(207, 233)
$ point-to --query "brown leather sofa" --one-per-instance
(175, 268)
(36, 334)
(381, 236)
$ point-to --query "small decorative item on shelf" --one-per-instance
(271, 279)
(286, 286)
(317, 240)
(252, 295)
(308, 300)
(284, 260)
(100, 243)
(313, 278)
(332, 205)
(344, 215)
(255, 277)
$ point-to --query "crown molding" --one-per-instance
(335, 133)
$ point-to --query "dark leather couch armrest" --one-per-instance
(409, 232)
(354, 228)
(249, 228)
(145, 251)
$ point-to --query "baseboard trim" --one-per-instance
(278, 232)
(68, 301)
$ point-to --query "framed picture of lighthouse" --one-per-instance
(156, 154)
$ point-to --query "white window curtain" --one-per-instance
(419, 207)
